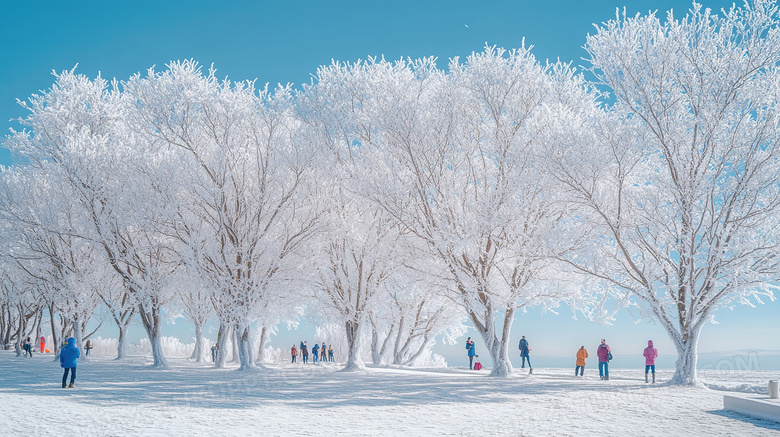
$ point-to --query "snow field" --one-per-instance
(128, 398)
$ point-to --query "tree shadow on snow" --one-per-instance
(105, 382)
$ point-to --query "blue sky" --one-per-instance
(285, 41)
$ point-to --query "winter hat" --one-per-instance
(650, 343)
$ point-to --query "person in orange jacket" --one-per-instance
(581, 355)
(42, 342)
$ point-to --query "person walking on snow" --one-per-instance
(294, 353)
(524, 351)
(88, 347)
(605, 354)
(68, 356)
(330, 353)
(650, 354)
(315, 351)
(27, 346)
(471, 351)
(42, 342)
(305, 352)
(581, 355)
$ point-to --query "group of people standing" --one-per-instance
(603, 352)
(319, 353)
(27, 346)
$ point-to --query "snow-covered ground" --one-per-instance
(128, 398)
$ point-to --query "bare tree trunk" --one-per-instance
(78, 334)
(420, 350)
(245, 347)
(397, 344)
(123, 322)
(19, 330)
(121, 347)
(497, 348)
(234, 345)
(687, 356)
(55, 338)
(38, 329)
(354, 361)
(378, 352)
(7, 325)
(261, 354)
(222, 339)
(198, 352)
(152, 321)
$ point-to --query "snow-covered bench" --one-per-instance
(763, 409)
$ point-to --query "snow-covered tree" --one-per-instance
(80, 137)
(119, 305)
(54, 260)
(194, 299)
(358, 259)
(452, 158)
(21, 303)
(245, 186)
(681, 180)
(418, 315)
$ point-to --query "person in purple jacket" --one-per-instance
(604, 354)
(650, 354)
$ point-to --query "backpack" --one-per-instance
(477, 366)
(609, 356)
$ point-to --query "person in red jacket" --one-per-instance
(294, 353)
(650, 354)
(42, 342)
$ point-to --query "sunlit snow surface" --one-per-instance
(128, 398)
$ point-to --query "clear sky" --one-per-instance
(286, 40)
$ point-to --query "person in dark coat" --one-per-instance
(214, 352)
(68, 357)
(524, 354)
(305, 352)
(27, 346)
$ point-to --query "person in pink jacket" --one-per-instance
(650, 354)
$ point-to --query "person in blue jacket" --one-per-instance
(68, 356)
(472, 352)
(525, 354)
